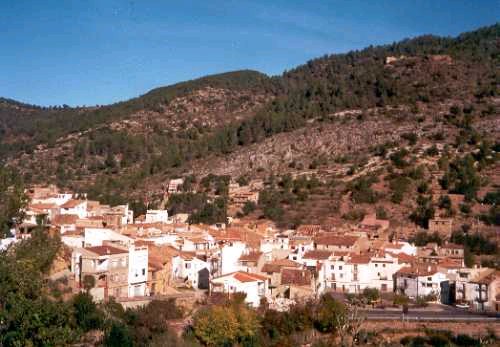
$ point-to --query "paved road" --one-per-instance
(441, 313)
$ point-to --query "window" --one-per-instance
(383, 265)
(376, 265)
(341, 275)
(332, 267)
(429, 278)
(187, 266)
(143, 272)
(340, 267)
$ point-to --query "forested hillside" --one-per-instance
(166, 131)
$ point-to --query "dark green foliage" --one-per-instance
(371, 294)
(398, 158)
(249, 207)
(493, 216)
(269, 202)
(12, 200)
(361, 191)
(423, 212)
(201, 208)
(444, 202)
(492, 198)
(462, 177)
(28, 316)
(118, 336)
(327, 312)
(354, 215)
(432, 151)
(410, 137)
(422, 238)
(399, 187)
(477, 243)
(87, 315)
(211, 212)
(381, 213)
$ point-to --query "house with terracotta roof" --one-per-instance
(479, 287)
(421, 280)
(374, 228)
(251, 261)
(255, 286)
(156, 216)
(487, 291)
(97, 236)
(175, 185)
(309, 229)
(297, 284)
(65, 222)
(342, 243)
(443, 226)
(314, 257)
(108, 265)
(273, 269)
(137, 271)
(75, 207)
(353, 273)
(191, 270)
(230, 253)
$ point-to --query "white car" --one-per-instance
(464, 306)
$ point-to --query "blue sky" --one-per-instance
(101, 51)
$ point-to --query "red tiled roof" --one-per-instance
(106, 250)
(317, 254)
(487, 277)
(42, 206)
(71, 203)
(359, 259)
(244, 276)
(64, 219)
(335, 240)
(252, 256)
(276, 265)
(420, 270)
(308, 229)
(296, 277)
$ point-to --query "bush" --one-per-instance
(400, 300)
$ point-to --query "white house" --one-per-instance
(353, 273)
(175, 185)
(96, 237)
(76, 207)
(58, 199)
(137, 270)
(188, 268)
(422, 280)
(230, 255)
(157, 216)
(255, 286)
(400, 247)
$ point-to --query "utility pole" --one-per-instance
(417, 281)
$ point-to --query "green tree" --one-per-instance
(371, 294)
(328, 312)
(216, 326)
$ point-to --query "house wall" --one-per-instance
(230, 255)
(137, 271)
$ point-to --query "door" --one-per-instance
(203, 278)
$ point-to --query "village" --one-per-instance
(111, 253)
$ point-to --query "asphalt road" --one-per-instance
(433, 313)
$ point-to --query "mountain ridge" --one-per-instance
(167, 128)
